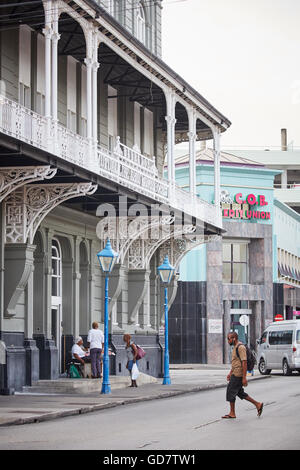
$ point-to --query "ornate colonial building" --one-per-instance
(89, 117)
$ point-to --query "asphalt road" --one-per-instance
(188, 422)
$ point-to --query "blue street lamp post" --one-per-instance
(166, 272)
(107, 258)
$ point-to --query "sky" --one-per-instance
(243, 56)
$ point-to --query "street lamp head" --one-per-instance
(107, 258)
(166, 271)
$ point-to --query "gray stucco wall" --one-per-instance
(9, 74)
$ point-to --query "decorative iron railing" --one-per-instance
(124, 165)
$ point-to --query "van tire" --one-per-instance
(262, 367)
(286, 368)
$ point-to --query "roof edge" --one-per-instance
(110, 19)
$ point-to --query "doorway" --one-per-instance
(56, 331)
(56, 300)
(240, 314)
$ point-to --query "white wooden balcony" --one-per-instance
(123, 165)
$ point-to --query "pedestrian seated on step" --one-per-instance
(80, 354)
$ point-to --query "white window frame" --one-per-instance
(24, 95)
(25, 65)
(137, 126)
(112, 117)
(71, 94)
(148, 133)
(140, 23)
(57, 275)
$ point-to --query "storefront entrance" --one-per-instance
(56, 300)
(56, 331)
(240, 320)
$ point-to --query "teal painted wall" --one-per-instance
(193, 265)
(245, 180)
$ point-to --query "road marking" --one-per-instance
(207, 424)
(148, 444)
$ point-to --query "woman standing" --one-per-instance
(131, 352)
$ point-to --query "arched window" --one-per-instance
(56, 269)
(140, 23)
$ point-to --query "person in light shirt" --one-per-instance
(80, 353)
(95, 341)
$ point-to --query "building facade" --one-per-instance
(228, 283)
(89, 116)
(285, 159)
(286, 265)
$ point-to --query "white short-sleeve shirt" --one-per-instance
(77, 350)
(95, 338)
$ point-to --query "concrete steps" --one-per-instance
(82, 386)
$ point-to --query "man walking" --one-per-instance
(95, 341)
(237, 377)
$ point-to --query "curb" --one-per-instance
(126, 401)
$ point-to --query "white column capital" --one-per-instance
(95, 66)
(170, 120)
(48, 32)
(216, 132)
(55, 36)
(88, 61)
(192, 135)
(170, 101)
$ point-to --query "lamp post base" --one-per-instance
(166, 381)
(105, 389)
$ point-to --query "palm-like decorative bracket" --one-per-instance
(26, 207)
(12, 178)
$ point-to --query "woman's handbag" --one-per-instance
(140, 352)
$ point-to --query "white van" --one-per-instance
(279, 347)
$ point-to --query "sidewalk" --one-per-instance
(23, 408)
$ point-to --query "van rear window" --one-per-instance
(281, 337)
(298, 337)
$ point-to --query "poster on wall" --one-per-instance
(215, 326)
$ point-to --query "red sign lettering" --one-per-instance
(251, 199)
(243, 213)
(262, 201)
(238, 199)
(240, 214)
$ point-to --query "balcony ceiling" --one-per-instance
(118, 73)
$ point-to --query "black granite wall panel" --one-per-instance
(278, 299)
(187, 324)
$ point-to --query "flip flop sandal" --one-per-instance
(259, 412)
(228, 417)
